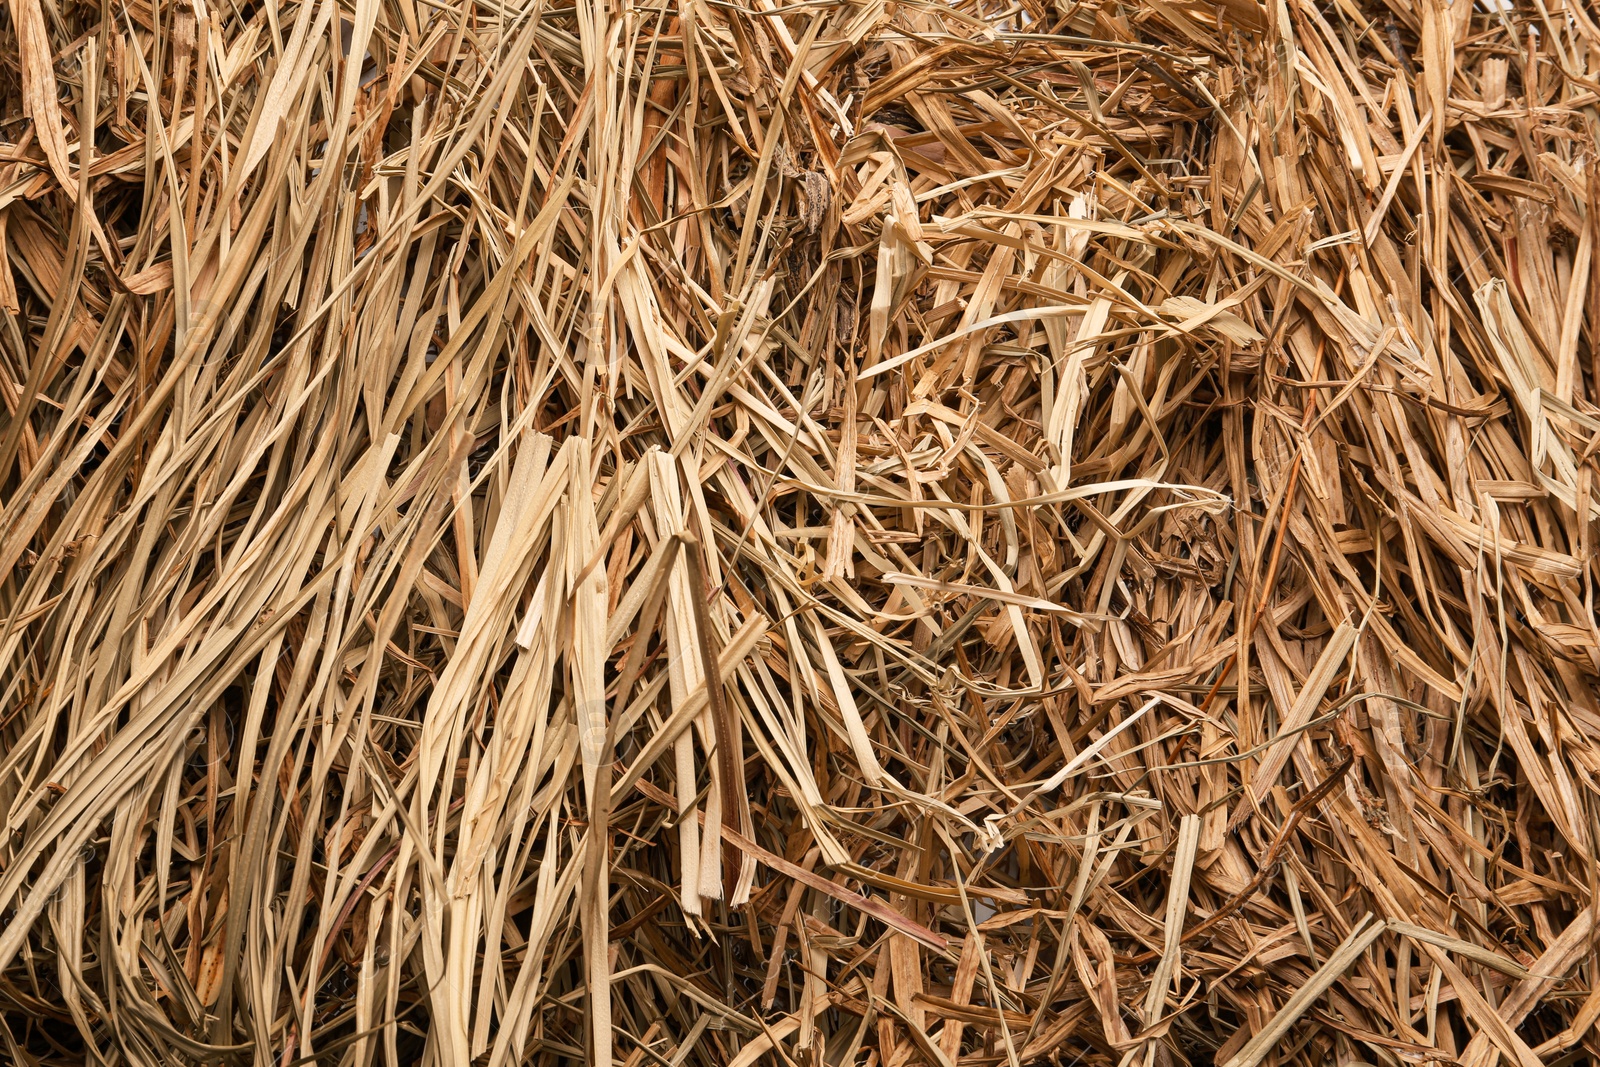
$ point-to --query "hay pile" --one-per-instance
(1129, 469)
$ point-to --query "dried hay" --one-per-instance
(1127, 468)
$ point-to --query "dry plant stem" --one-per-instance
(805, 533)
(1272, 566)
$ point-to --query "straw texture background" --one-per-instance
(832, 533)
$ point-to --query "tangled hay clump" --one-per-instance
(845, 533)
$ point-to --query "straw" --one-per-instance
(843, 534)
